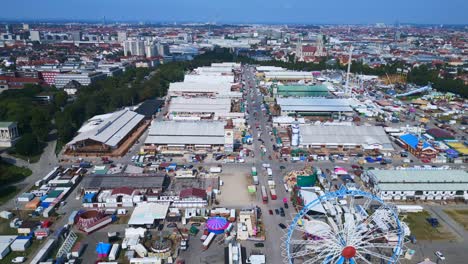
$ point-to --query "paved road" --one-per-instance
(274, 233)
(39, 169)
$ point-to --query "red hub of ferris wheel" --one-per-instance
(348, 252)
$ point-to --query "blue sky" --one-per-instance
(243, 11)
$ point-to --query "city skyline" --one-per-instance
(274, 12)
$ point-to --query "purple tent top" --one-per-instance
(217, 224)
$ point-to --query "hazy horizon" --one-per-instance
(241, 12)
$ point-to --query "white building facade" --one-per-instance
(8, 134)
(416, 184)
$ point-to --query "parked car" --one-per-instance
(282, 226)
(18, 260)
(259, 245)
(286, 205)
(277, 211)
(270, 211)
(439, 255)
(282, 212)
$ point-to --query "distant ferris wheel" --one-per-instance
(346, 237)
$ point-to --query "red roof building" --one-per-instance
(10, 82)
(122, 191)
(193, 193)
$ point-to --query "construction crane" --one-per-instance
(347, 89)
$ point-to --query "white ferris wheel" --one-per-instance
(357, 227)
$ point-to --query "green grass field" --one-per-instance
(10, 174)
(31, 159)
(422, 230)
(460, 216)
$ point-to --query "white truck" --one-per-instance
(215, 170)
(269, 172)
(207, 242)
(114, 252)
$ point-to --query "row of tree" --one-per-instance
(422, 75)
(34, 119)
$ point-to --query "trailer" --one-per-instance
(72, 217)
(264, 195)
(255, 180)
(229, 228)
(273, 194)
(271, 184)
(38, 183)
(207, 242)
(49, 176)
(44, 252)
(254, 171)
(140, 250)
(232, 215)
(114, 252)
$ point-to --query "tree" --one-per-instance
(60, 99)
(28, 145)
(40, 124)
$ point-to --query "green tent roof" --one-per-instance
(306, 180)
(54, 194)
(303, 90)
